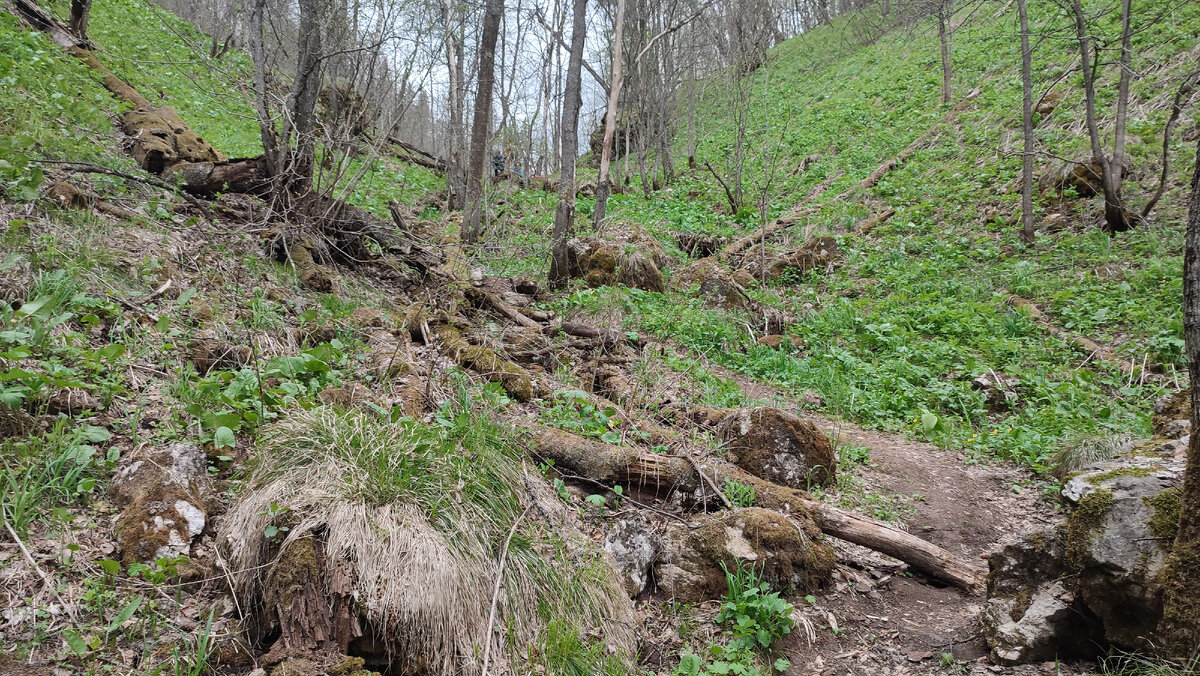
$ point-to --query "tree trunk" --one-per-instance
(1027, 127)
(945, 15)
(1119, 158)
(456, 185)
(79, 18)
(610, 118)
(481, 125)
(564, 213)
(1115, 216)
(306, 89)
(266, 125)
(1180, 628)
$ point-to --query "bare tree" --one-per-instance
(610, 117)
(944, 10)
(1186, 88)
(1181, 616)
(481, 124)
(456, 183)
(1026, 127)
(79, 18)
(1117, 218)
(564, 213)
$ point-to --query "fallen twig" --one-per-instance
(487, 635)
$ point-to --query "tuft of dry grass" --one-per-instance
(419, 514)
(1074, 457)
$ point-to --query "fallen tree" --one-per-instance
(165, 146)
(660, 474)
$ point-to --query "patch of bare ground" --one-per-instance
(878, 617)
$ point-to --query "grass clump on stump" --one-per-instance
(397, 530)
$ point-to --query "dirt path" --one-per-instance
(890, 621)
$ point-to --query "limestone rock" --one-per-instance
(634, 548)
(164, 492)
(1030, 616)
(1094, 581)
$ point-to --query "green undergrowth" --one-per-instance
(913, 373)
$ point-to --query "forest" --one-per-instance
(615, 337)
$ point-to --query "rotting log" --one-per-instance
(660, 474)
(515, 380)
(606, 339)
(1094, 349)
(873, 222)
(418, 156)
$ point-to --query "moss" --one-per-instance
(1021, 603)
(1084, 524)
(1179, 631)
(1124, 471)
(1164, 523)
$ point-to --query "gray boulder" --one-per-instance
(1092, 582)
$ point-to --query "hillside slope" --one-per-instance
(388, 425)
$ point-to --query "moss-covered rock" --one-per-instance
(785, 550)
(779, 447)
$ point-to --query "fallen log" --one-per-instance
(606, 338)
(871, 223)
(785, 220)
(805, 208)
(661, 474)
(1091, 347)
(515, 380)
(483, 298)
(418, 156)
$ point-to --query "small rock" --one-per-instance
(634, 548)
(1177, 429)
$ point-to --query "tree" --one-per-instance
(472, 225)
(456, 184)
(564, 213)
(945, 14)
(1180, 626)
(1116, 217)
(79, 18)
(610, 117)
(1027, 128)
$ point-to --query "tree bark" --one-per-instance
(564, 213)
(1180, 626)
(610, 118)
(456, 185)
(472, 225)
(306, 88)
(79, 18)
(1027, 234)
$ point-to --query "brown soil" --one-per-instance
(891, 621)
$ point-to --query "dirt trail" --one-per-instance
(890, 621)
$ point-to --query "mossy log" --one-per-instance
(516, 381)
(663, 473)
